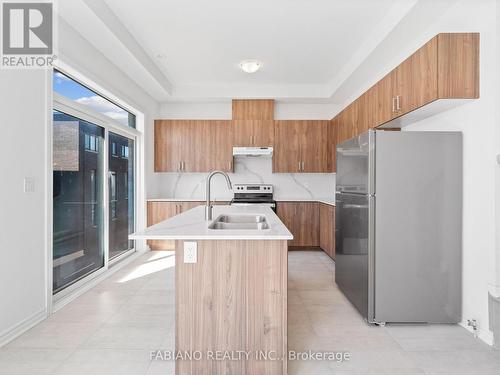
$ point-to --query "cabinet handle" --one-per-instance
(183, 165)
(398, 103)
(303, 166)
(299, 166)
(393, 104)
(180, 165)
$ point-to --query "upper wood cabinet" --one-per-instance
(458, 65)
(193, 145)
(287, 140)
(253, 109)
(415, 80)
(253, 133)
(332, 146)
(446, 67)
(301, 146)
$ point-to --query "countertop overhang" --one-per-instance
(191, 225)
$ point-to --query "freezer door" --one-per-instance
(354, 249)
(355, 158)
(418, 239)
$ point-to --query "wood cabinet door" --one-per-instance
(218, 152)
(253, 133)
(327, 229)
(416, 80)
(286, 154)
(167, 153)
(383, 101)
(302, 219)
(157, 212)
(314, 146)
(185, 206)
(332, 145)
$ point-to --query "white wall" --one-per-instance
(24, 113)
(221, 110)
(477, 122)
(26, 107)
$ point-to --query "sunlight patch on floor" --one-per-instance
(156, 263)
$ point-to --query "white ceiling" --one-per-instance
(307, 47)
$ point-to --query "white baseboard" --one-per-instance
(483, 334)
(17, 330)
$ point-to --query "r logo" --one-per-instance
(27, 29)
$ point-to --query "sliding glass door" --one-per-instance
(121, 193)
(94, 180)
(78, 225)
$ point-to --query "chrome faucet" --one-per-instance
(208, 206)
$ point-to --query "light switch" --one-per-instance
(29, 184)
(190, 252)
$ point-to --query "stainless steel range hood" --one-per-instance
(253, 151)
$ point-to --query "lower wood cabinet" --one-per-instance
(327, 229)
(302, 219)
(159, 211)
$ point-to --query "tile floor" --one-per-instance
(112, 328)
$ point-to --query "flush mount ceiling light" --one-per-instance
(250, 66)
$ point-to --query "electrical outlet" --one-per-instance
(29, 185)
(190, 252)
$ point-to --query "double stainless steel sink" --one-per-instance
(240, 222)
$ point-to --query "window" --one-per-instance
(68, 87)
(91, 143)
(125, 152)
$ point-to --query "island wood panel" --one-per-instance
(233, 299)
(253, 109)
(253, 133)
(327, 229)
(302, 220)
(458, 65)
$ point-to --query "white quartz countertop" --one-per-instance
(326, 200)
(191, 225)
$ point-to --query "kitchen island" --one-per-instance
(231, 289)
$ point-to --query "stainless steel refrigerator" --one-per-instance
(399, 225)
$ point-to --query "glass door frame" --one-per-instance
(70, 107)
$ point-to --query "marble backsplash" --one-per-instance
(246, 170)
